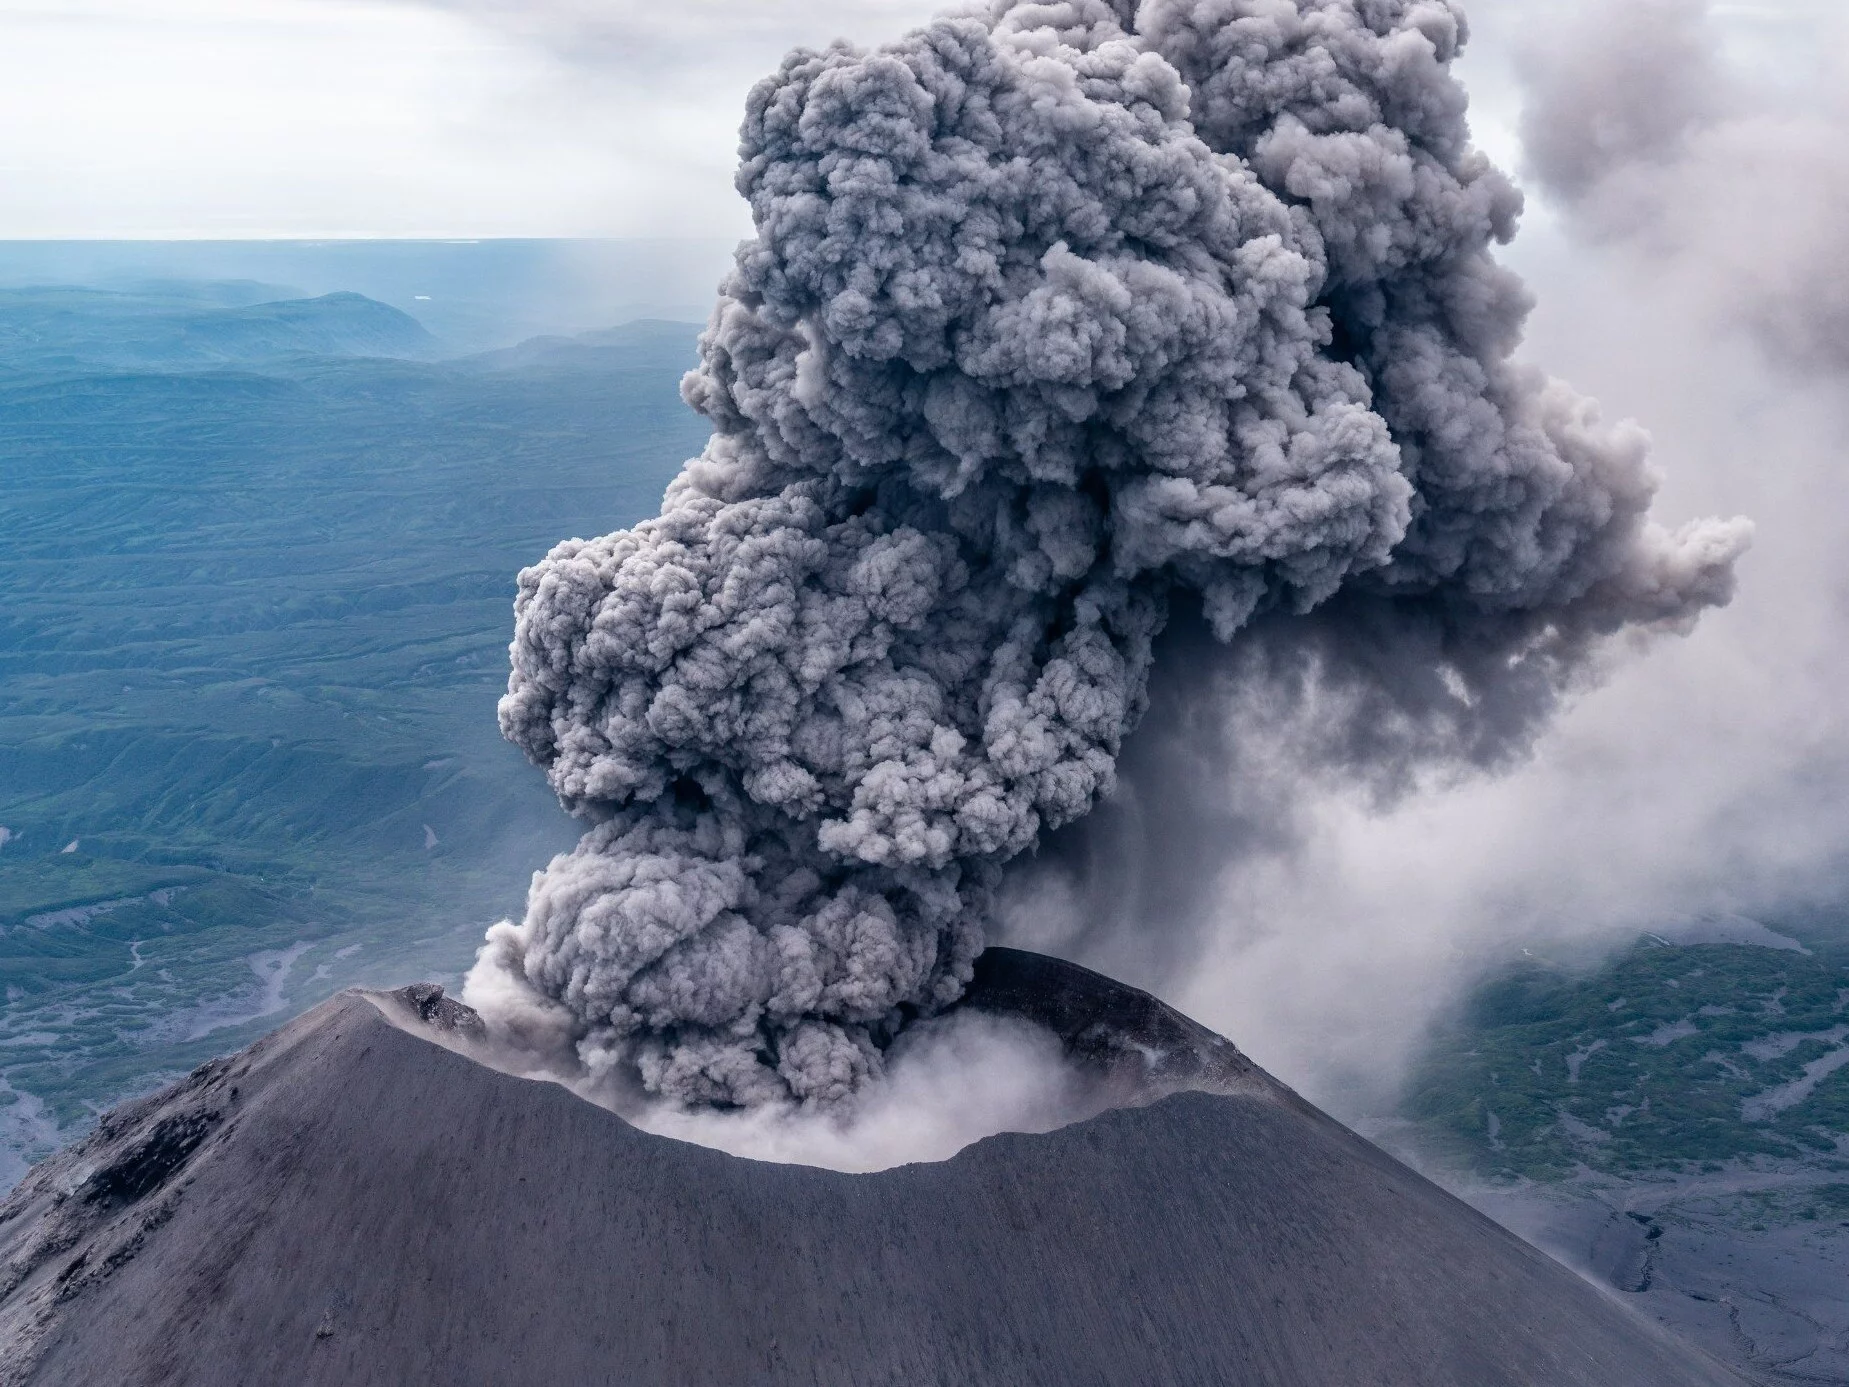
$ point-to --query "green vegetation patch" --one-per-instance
(258, 606)
(1667, 1057)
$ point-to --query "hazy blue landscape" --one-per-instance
(258, 560)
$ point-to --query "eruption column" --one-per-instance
(1057, 315)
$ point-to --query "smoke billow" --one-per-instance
(1060, 319)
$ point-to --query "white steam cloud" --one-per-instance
(1649, 133)
(1706, 780)
(1060, 320)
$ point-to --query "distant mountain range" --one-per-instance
(177, 326)
(259, 560)
(472, 295)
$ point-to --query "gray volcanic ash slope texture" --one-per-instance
(349, 1203)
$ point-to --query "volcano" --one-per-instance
(352, 1201)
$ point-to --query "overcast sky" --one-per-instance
(470, 117)
(130, 118)
(388, 117)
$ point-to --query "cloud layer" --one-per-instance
(1647, 128)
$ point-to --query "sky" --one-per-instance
(1687, 168)
(312, 118)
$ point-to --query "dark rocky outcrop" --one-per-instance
(349, 1203)
(1142, 1047)
(426, 1001)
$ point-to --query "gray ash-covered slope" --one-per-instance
(349, 1202)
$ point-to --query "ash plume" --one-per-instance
(1060, 319)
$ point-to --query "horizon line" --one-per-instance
(161, 238)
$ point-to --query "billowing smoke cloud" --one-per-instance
(1703, 781)
(1061, 320)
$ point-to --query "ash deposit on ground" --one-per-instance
(347, 1203)
(1063, 324)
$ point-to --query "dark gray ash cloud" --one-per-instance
(1059, 318)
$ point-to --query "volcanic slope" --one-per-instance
(351, 1202)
